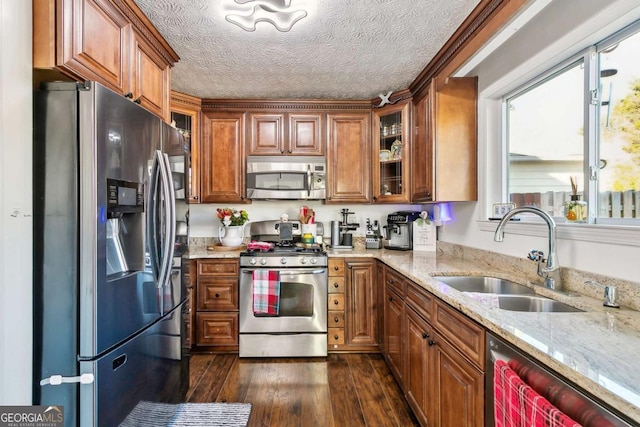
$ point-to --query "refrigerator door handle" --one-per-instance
(59, 379)
(169, 219)
(152, 218)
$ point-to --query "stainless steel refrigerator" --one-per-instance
(108, 330)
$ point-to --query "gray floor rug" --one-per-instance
(149, 414)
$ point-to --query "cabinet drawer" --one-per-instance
(336, 285)
(336, 302)
(462, 332)
(336, 267)
(396, 281)
(335, 337)
(420, 300)
(217, 294)
(217, 329)
(218, 267)
(335, 319)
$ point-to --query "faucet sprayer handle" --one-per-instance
(535, 255)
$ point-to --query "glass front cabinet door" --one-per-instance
(391, 154)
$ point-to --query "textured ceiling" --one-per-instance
(343, 49)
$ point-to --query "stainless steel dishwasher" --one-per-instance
(497, 348)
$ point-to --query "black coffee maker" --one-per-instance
(399, 230)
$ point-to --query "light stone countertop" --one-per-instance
(598, 349)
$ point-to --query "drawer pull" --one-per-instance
(335, 319)
(217, 295)
(335, 337)
(336, 302)
(336, 268)
(336, 285)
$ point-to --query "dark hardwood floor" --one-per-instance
(340, 390)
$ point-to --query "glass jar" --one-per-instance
(575, 210)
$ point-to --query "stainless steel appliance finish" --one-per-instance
(286, 177)
(300, 328)
(497, 348)
(105, 304)
(399, 230)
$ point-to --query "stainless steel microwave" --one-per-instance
(286, 177)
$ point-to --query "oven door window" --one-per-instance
(296, 299)
(295, 181)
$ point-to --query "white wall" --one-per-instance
(203, 221)
(15, 202)
(561, 27)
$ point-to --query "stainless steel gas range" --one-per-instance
(296, 325)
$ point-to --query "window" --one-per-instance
(580, 122)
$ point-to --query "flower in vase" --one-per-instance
(230, 217)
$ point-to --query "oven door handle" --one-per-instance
(292, 273)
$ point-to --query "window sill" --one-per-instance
(608, 234)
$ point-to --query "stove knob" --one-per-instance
(253, 261)
(263, 261)
(303, 260)
(314, 261)
(283, 260)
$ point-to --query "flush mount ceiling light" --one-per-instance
(276, 12)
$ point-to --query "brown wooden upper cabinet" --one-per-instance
(150, 78)
(222, 158)
(112, 43)
(391, 153)
(348, 165)
(444, 153)
(275, 134)
(185, 111)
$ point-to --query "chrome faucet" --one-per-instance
(551, 272)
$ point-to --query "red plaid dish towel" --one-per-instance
(518, 405)
(266, 292)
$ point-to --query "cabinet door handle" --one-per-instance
(217, 295)
(390, 298)
(431, 343)
(425, 335)
(128, 95)
(282, 151)
(349, 266)
(290, 151)
(137, 100)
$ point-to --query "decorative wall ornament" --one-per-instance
(274, 12)
(385, 99)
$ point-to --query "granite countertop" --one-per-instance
(597, 349)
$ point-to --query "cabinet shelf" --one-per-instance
(385, 162)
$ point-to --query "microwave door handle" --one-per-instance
(309, 176)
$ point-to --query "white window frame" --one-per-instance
(604, 230)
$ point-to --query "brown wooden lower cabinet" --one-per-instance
(217, 329)
(434, 353)
(217, 319)
(458, 390)
(352, 305)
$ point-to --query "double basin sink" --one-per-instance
(510, 295)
